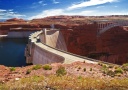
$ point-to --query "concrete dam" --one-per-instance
(48, 46)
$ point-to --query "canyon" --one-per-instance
(80, 34)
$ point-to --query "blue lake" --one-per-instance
(12, 52)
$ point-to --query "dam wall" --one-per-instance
(53, 38)
(19, 34)
(35, 52)
(41, 51)
(43, 56)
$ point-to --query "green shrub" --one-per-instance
(125, 67)
(36, 67)
(110, 73)
(84, 69)
(90, 69)
(79, 67)
(99, 63)
(12, 69)
(118, 74)
(116, 67)
(47, 67)
(61, 71)
(110, 66)
(28, 71)
(105, 66)
(79, 77)
(118, 70)
(126, 64)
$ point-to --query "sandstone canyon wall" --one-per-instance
(111, 46)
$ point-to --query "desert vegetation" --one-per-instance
(47, 67)
(54, 82)
(75, 76)
(12, 68)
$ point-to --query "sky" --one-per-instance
(30, 9)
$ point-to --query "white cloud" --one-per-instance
(89, 3)
(40, 2)
(54, 12)
(115, 6)
(10, 10)
(44, 4)
(1, 14)
(37, 4)
(55, 2)
(112, 13)
(100, 6)
(5, 14)
(51, 12)
(94, 12)
(2, 10)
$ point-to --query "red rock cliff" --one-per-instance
(111, 46)
(115, 42)
(81, 39)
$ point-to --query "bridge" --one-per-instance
(104, 26)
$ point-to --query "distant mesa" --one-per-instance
(15, 20)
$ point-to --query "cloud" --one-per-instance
(112, 13)
(51, 12)
(40, 2)
(100, 6)
(115, 6)
(54, 12)
(91, 12)
(55, 2)
(6, 14)
(2, 10)
(10, 10)
(89, 3)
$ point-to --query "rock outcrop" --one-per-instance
(111, 46)
(114, 42)
(15, 20)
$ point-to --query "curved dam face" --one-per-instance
(48, 46)
(53, 38)
(43, 56)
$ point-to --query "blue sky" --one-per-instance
(29, 9)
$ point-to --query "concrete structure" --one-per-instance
(53, 38)
(19, 34)
(103, 26)
(48, 46)
(1, 36)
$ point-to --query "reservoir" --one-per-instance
(12, 52)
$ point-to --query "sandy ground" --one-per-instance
(76, 69)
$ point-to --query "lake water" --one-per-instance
(12, 52)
